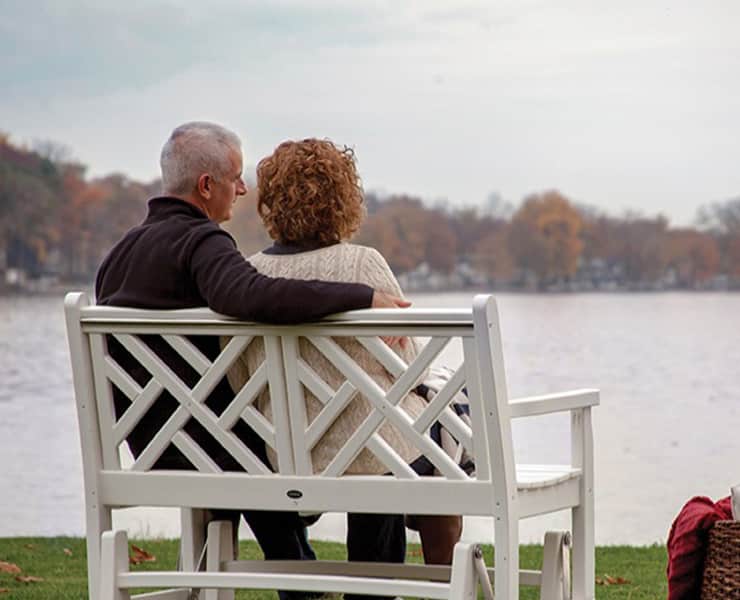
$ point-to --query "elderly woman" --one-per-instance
(311, 202)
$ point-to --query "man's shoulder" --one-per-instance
(191, 231)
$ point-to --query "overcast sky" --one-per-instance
(623, 105)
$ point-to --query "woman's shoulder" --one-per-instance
(327, 262)
(364, 251)
(257, 258)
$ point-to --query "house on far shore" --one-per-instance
(22, 271)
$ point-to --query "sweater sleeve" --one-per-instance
(232, 286)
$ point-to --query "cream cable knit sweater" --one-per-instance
(348, 263)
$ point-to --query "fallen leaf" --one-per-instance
(6, 567)
(4, 591)
(67, 551)
(140, 555)
(28, 579)
(609, 580)
(30, 546)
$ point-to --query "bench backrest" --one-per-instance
(479, 369)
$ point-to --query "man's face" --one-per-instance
(225, 189)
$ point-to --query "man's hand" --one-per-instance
(384, 300)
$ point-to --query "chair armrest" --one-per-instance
(551, 403)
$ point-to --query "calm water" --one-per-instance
(667, 429)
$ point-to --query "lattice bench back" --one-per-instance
(286, 376)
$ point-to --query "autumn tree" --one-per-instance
(470, 226)
(722, 220)
(640, 248)
(29, 202)
(693, 255)
(407, 233)
(492, 256)
(545, 237)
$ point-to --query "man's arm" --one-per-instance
(232, 286)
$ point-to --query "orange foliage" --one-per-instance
(492, 256)
(694, 256)
(407, 234)
(66, 223)
(545, 236)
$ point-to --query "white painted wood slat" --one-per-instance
(190, 405)
(220, 366)
(104, 397)
(280, 409)
(238, 450)
(194, 453)
(297, 415)
(329, 414)
(315, 384)
(460, 430)
(189, 352)
(393, 363)
(244, 397)
(385, 407)
(270, 581)
(440, 401)
(257, 421)
(139, 405)
(478, 410)
(122, 380)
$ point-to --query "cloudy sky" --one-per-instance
(623, 105)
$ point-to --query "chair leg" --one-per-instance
(113, 560)
(220, 548)
(584, 567)
(462, 579)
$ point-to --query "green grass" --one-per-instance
(61, 564)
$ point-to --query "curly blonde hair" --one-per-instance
(310, 191)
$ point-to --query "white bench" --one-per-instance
(500, 488)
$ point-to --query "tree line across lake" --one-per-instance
(57, 223)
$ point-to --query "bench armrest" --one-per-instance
(551, 403)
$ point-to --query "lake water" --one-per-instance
(667, 428)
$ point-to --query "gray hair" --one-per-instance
(193, 149)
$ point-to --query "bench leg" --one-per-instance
(506, 557)
(583, 553)
(582, 516)
(220, 548)
(556, 566)
(113, 560)
(462, 579)
(193, 523)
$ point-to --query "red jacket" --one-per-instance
(687, 545)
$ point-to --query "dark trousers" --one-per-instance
(375, 538)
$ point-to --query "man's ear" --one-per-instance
(204, 184)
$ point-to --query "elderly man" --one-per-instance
(179, 257)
